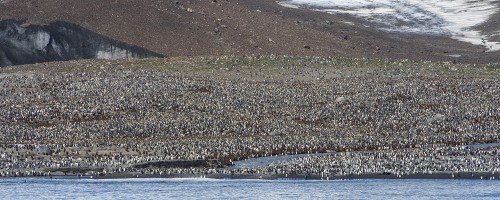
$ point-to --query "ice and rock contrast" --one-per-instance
(27, 44)
(456, 18)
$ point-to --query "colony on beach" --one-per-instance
(118, 118)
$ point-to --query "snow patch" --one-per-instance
(456, 18)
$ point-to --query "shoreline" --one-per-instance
(478, 175)
(442, 175)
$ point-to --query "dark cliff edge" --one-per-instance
(59, 41)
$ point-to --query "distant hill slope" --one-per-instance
(236, 27)
(27, 44)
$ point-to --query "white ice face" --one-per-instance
(112, 53)
(40, 40)
(443, 17)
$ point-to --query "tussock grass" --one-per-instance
(267, 66)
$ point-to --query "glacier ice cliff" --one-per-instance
(57, 41)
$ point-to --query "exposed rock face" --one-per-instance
(27, 44)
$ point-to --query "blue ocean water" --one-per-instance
(43, 188)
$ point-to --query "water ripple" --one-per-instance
(40, 188)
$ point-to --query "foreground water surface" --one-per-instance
(43, 188)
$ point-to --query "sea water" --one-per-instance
(454, 18)
(44, 188)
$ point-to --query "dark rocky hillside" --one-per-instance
(22, 44)
(237, 27)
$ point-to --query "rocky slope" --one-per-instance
(237, 27)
